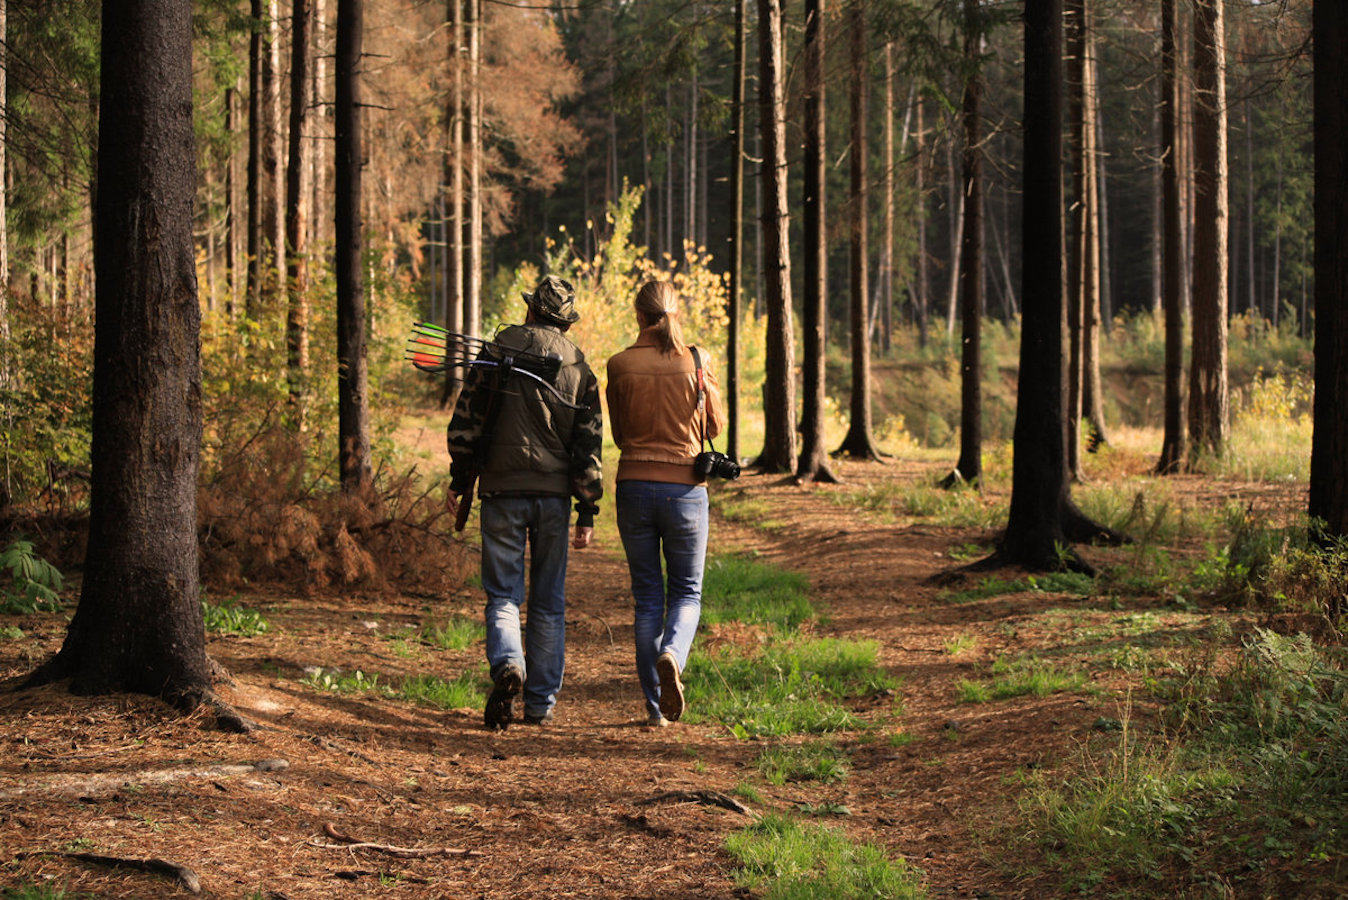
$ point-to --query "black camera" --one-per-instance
(712, 464)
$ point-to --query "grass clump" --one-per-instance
(30, 891)
(1073, 583)
(787, 860)
(1249, 775)
(820, 761)
(736, 588)
(1020, 676)
(459, 632)
(228, 617)
(468, 690)
(787, 687)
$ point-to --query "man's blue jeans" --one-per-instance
(658, 519)
(509, 524)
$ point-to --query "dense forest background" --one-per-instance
(598, 140)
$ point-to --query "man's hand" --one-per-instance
(582, 537)
(452, 503)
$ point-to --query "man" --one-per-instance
(532, 449)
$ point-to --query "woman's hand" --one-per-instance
(581, 539)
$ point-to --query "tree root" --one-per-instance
(184, 876)
(346, 842)
(707, 798)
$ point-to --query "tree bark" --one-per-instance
(231, 204)
(256, 50)
(472, 311)
(276, 148)
(1174, 442)
(353, 413)
(1209, 415)
(1329, 444)
(1042, 517)
(1079, 210)
(969, 469)
(138, 626)
(812, 464)
(732, 392)
(297, 287)
(454, 256)
(779, 433)
(921, 293)
(1092, 388)
(859, 442)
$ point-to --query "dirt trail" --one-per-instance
(558, 811)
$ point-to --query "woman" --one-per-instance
(662, 503)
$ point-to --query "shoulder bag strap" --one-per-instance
(701, 398)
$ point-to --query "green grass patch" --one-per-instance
(1016, 677)
(1073, 583)
(736, 505)
(957, 508)
(459, 632)
(468, 690)
(960, 643)
(1247, 780)
(787, 860)
(739, 589)
(11, 633)
(820, 761)
(787, 687)
(228, 617)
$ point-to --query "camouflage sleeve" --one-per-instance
(587, 445)
(465, 428)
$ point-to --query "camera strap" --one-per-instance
(701, 399)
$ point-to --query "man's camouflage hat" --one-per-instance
(554, 299)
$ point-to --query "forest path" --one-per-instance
(567, 810)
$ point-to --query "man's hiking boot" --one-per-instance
(655, 720)
(544, 719)
(671, 688)
(500, 711)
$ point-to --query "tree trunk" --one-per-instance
(812, 465)
(472, 311)
(454, 256)
(297, 287)
(231, 204)
(353, 414)
(1079, 216)
(1174, 442)
(256, 51)
(779, 433)
(887, 252)
(1042, 517)
(4, 228)
(921, 293)
(732, 392)
(138, 626)
(276, 147)
(969, 469)
(859, 442)
(1329, 444)
(319, 214)
(1209, 417)
(1092, 389)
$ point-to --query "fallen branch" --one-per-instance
(184, 876)
(350, 843)
(708, 798)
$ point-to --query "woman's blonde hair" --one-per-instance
(657, 305)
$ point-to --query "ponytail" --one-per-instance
(657, 305)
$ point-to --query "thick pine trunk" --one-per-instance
(454, 182)
(1174, 441)
(1209, 414)
(969, 469)
(732, 392)
(812, 463)
(1329, 445)
(859, 442)
(779, 431)
(353, 414)
(138, 626)
(472, 310)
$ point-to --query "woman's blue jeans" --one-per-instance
(509, 525)
(657, 519)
